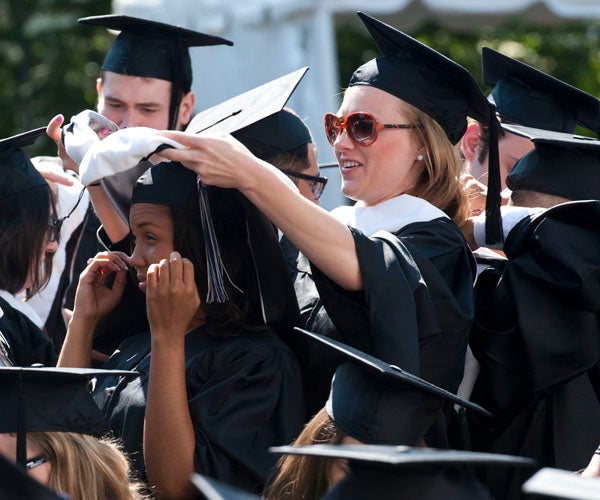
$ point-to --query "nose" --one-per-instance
(136, 261)
(51, 247)
(343, 141)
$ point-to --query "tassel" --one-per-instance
(493, 221)
(217, 291)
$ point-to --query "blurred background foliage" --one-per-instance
(49, 63)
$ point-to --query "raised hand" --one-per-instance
(172, 298)
(94, 299)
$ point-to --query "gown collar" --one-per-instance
(390, 215)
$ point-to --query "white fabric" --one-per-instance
(66, 199)
(511, 216)
(81, 134)
(119, 152)
(19, 305)
(390, 215)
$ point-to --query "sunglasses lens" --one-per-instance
(361, 128)
(332, 127)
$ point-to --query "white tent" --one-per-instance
(274, 37)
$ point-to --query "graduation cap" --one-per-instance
(49, 400)
(247, 112)
(279, 133)
(16, 484)
(526, 96)
(410, 473)
(153, 49)
(379, 403)
(211, 489)
(18, 173)
(556, 483)
(441, 88)
(564, 165)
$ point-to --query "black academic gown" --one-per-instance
(25, 344)
(415, 310)
(536, 336)
(244, 395)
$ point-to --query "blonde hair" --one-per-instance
(439, 182)
(87, 468)
(305, 477)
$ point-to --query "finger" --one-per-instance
(60, 178)
(183, 138)
(152, 276)
(175, 268)
(188, 272)
(163, 272)
(119, 284)
(53, 128)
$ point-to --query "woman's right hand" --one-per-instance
(94, 299)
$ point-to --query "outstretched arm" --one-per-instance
(225, 162)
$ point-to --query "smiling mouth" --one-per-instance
(348, 165)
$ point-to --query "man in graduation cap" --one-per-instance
(537, 317)
(525, 96)
(145, 80)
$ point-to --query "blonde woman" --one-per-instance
(84, 467)
(393, 272)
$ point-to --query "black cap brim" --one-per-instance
(390, 373)
(555, 483)
(211, 489)
(404, 455)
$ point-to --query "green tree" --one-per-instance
(48, 63)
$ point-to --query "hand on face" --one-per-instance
(220, 161)
(94, 299)
(172, 298)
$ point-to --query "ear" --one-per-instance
(186, 107)
(469, 144)
(99, 86)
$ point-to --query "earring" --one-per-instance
(420, 157)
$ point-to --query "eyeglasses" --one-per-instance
(35, 461)
(316, 184)
(54, 226)
(361, 127)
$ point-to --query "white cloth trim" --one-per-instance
(390, 215)
(511, 216)
(21, 306)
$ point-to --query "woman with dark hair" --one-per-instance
(28, 238)
(217, 386)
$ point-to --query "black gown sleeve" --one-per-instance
(27, 344)
(240, 406)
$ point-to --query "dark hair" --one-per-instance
(243, 310)
(23, 234)
(295, 159)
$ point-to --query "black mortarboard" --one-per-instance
(556, 483)
(278, 133)
(409, 473)
(153, 50)
(378, 403)
(249, 110)
(18, 173)
(16, 484)
(49, 400)
(563, 165)
(441, 88)
(527, 96)
(211, 489)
